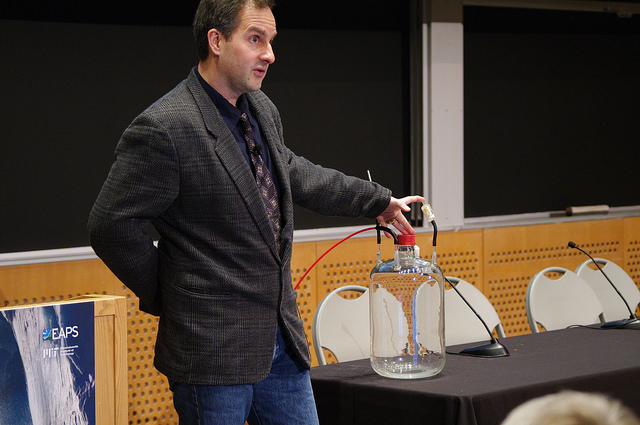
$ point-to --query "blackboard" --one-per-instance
(72, 82)
(552, 110)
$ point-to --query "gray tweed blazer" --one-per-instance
(216, 278)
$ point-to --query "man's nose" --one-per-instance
(268, 55)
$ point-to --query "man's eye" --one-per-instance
(254, 39)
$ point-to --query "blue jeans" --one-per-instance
(284, 397)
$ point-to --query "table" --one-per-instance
(482, 391)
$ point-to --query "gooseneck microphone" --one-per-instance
(632, 322)
(494, 349)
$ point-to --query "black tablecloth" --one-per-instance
(482, 391)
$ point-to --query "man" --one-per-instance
(229, 339)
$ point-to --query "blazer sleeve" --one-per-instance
(142, 182)
(330, 192)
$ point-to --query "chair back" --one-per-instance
(341, 325)
(461, 325)
(613, 306)
(562, 302)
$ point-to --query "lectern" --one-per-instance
(64, 362)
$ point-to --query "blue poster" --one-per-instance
(47, 365)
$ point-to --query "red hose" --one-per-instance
(327, 251)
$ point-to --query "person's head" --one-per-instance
(572, 408)
(221, 15)
(233, 38)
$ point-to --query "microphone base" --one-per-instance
(631, 323)
(493, 349)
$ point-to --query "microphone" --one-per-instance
(257, 149)
(494, 348)
(632, 322)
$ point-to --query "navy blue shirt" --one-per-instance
(231, 116)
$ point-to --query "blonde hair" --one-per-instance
(572, 408)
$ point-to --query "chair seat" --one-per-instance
(461, 324)
(341, 325)
(614, 308)
(562, 302)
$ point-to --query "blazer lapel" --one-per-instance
(226, 149)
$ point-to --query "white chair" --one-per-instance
(613, 306)
(341, 325)
(461, 325)
(562, 302)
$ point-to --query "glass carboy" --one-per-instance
(407, 315)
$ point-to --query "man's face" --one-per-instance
(246, 55)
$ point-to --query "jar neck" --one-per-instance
(404, 256)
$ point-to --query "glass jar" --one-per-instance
(406, 303)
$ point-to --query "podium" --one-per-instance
(66, 360)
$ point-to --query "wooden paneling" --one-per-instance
(459, 254)
(111, 359)
(513, 255)
(632, 248)
(48, 282)
(304, 254)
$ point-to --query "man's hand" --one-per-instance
(393, 214)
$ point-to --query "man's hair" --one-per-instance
(221, 15)
(572, 408)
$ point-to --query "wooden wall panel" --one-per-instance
(349, 263)
(304, 255)
(459, 254)
(632, 248)
(150, 400)
(513, 255)
(38, 283)
(111, 359)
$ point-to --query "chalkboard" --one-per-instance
(552, 110)
(71, 83)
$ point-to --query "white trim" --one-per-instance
(443, 121)
(337, 233)
(621, 8)
(47, 256)
(87, 253)
(547, 217)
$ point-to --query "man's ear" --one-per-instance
(215, 37)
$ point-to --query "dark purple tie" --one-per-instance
(263, 178)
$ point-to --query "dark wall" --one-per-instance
(552, 101)
(552, 110)
(69, 90)
(73, 77)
